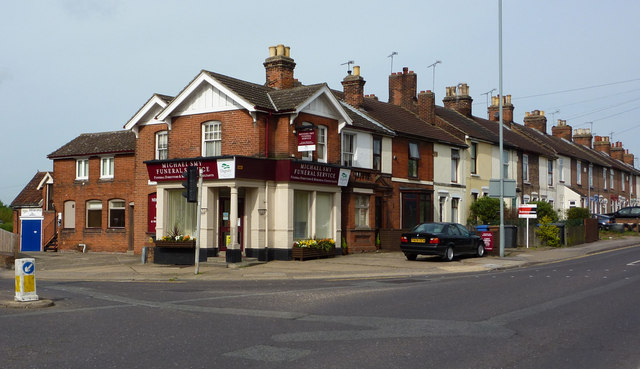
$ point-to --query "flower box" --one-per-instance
(178, 244)
(302, 253)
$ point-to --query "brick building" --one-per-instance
(34, 215)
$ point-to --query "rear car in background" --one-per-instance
(444, 239)
(604, 221)
(630, 212)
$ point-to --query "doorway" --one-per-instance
(224, 224)
(31, 235)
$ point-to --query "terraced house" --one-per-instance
(283, 161)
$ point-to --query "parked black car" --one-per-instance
(444, 239)
(628, 212)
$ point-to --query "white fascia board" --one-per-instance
(136, 119)
(186, 93)
(47, 179)
(332, 99)
(375, 122)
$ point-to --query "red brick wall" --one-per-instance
(67, 188)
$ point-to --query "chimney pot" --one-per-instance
(356, 70)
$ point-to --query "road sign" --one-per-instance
(25, 280)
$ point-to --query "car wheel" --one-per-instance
(480, 250)
(411, 256)
(448, 254)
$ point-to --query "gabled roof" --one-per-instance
(465, 124)
(363, 121)
(116, 142)
(31, 194)
(156, 100)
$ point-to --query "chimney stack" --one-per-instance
(402, 89)
(601, 143)
(353, 86)
(458, 99)
(279, 68)
(582, 136)
(617, 152)
(562, 130)
(427, 106)
(507, 109)
(628, 158)
(536, 120)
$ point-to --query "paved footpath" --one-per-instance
(91, 266)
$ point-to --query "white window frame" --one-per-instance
(561, 169)
(117, 204)
(82, 169)
(362, 211)
(611, 175)
(473, 154)
(578, 172)
(162, 152)
(93, 205)
(348, 153)
(107, 165)
(321, 145)
(550, 173)
(455, 160)
(212, 134)
(525, 168)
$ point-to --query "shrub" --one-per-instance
(578, 213)
(485, 210)
(548, 232)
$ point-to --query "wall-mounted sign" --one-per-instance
(226, 168)
(31, 212)
(306, 140)
(172, 170)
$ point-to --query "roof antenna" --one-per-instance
(391, 56)
(487, 95)
(348, 64)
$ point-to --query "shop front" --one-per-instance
(250, 207)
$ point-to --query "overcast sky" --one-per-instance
(73, 66)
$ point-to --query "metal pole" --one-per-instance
(501, 137)
(198, 222)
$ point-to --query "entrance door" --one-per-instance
(31, 235)
(224, 229)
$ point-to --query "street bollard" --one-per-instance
(26, 280)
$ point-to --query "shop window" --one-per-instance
(212, 139)
(181, 215)
(324, 206)
(94, 214)
(116, 213)
(300, 215)
(348, 149)
(82, 169)
(416, 209)
(162, 145)
(414, 158)
(362, 211)
(106, 168)
(69, 221)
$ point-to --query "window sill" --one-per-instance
(475, 175)
(93, 230)
(81, 181)
(116, 230)
(106, 179)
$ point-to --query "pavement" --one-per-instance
(123, 267)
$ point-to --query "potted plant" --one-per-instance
(312, 248)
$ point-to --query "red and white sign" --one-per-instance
(528, 211)
(487, 237)
(307, 140)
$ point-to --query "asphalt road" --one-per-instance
(581, 313)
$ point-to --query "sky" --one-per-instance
(69, 67)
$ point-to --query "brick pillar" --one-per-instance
(353, 86)
(279, 68)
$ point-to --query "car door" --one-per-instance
(455, 238)
(466, 241)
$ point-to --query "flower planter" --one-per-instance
(302, 253)
(176, 244)
(176, 253)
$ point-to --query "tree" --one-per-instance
(6, 217)
(485, 210)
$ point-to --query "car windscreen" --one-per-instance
(428, 228)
